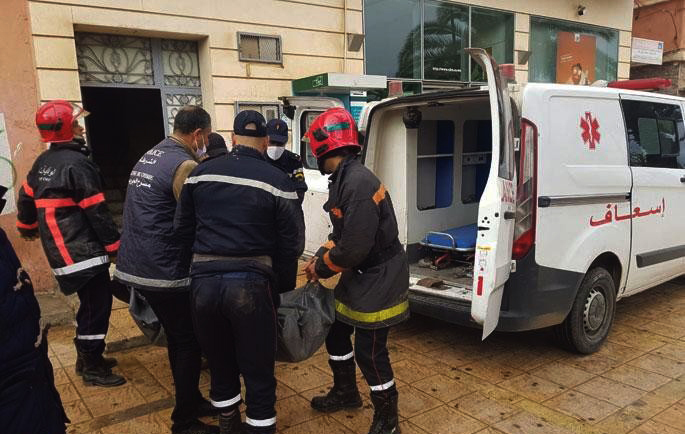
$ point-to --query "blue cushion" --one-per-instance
(464, 237)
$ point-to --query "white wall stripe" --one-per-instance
(90, 337)
(382, 387)
(227, 403)
(260, 422)
(80, 266)
(341, 358)
(243, 181)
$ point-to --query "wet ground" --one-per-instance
(449, 381)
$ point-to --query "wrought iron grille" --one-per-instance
(259, 48)
(114, 59)
(174, 101)
(180, 63)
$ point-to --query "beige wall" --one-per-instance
(312, 35)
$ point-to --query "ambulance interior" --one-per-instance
(436, 171)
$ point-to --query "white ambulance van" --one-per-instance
(525, 214)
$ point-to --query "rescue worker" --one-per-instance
(62, 201)
(371, 295)
(242, 219)
(278, 156)
(29, 401)
(152, 262)
(216, 146)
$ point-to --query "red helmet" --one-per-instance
(332, 129)
(54, 120)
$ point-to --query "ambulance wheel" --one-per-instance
(588, 324)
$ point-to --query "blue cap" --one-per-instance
(247, 117)
(277, 130)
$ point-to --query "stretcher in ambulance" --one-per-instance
(537, 209)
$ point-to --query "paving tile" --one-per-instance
(67, 392)
(61, 377)
(533, 388)
(652, 427)
(660, 365)
(483, 408)
(283, 391)
(410, 371)
(594, 364)
(618, 352)
(148, 386)
(77, 411)
(491, 371)
(663, 329)
(406, 427)
(675, 351)
(674, 416)
(85, 391)
(581, 406)
(526, 423)
(530, 360)
(638, 339)
(636, 413)
(562, 374)
(673, 390)
(447, 420)
(452, 357)
(301, 377)
(499, 394)
(147, 424)
(636, 377)
(612, 391)
(116, 399)
(443, 388)
(294, 411)
(322, 424)
(412, 402)
(357, 419)
(422, 343)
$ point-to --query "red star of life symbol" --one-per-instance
(590, 127)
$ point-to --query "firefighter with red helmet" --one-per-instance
(62, 202)
(371, 295)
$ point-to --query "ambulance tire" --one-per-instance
(588, 324)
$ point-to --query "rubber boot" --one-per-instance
(231, 424)
(344, 393)
(385, 419)
(109, 362)
(96, 373)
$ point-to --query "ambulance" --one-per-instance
(523, 207)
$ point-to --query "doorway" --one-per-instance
(123, 124)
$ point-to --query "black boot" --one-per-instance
(107, 361)
(344, 393)
(95, 373)
(231, 424)
(385, 418)
(194, 427)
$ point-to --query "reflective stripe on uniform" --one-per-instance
(90, 337)
(227, 403)
(113, 247)
(243, 181)
(379, 195)
(80, 266)
(382, 387)
(260, 422)
(330, 264)
(341, 358)
(92, 200)
(159, 283)
(371, 317)
(21, 225)
(27, 189)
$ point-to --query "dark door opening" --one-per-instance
(123, 124)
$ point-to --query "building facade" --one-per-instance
(133, 63)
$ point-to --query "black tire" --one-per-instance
(588, 324)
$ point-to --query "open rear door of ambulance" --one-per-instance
(497, 205)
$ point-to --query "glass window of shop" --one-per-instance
(425, 39)
(565, 52)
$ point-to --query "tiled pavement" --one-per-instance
(449, 381)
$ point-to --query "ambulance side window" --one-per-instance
(306, 120)
(656, 134)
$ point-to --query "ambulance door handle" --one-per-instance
(682, 179)
(509, 215)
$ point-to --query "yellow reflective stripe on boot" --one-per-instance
(371, 317)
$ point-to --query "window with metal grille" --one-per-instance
(259, 48)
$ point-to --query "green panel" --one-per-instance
(309, 84)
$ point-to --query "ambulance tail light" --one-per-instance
(526, 201)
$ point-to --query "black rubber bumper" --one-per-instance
(534, 297)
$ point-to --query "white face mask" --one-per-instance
(275, 152)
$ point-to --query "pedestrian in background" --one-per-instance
(216, 146)
(62, 202)
(278, 156)
(153, 262)
(242, 220)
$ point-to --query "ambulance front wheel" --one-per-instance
(588, 324)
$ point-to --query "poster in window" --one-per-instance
(576, 58)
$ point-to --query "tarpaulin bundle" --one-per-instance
(304, 318)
